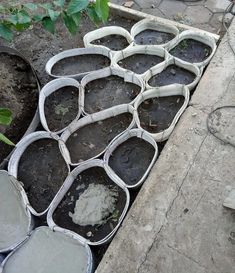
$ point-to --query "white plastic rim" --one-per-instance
(198, 36)
(165, 91)
(99, 116)
(72, 53)
(67, 184)
(67, 233)
(17, 154)
(140, 49)
(152, 24)
(105, 31)
(50, 88)
(175, 61)
(19, 189)
(128, 76)
(124, 137)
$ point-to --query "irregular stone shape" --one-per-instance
(199, 14)
(14, 219)
(48, 251)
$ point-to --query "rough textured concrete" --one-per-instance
(177, 223)
(204, 14)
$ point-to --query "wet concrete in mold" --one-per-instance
(113, 42)
(153, 37)
(172, 74)
(140, 63)
(91, 176)
(92, 139)
(61, 107)
(192, 51)
(131, 159)
(106, 92)
(80, 64)
(42, 170)
(157, 114)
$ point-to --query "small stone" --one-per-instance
(194, 114)
(153, 6)
(89, 234)
(172, 71)
(128, 4)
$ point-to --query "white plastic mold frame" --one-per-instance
(17, 154)
(165, 91)
(67, 184)
(72, 53)
(150, 24)
(121, 139)
(128, 76)
(140, 49)
(103, 32)
(89, 119)
(174, 61)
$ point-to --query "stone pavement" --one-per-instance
(203, 14)
(177, 223)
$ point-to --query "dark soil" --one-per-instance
(17, 85)
(94, 233)
(172, 74)
(106, 92)
(42, 170)
(192, 51)
(80, 64)
(157, 114)
(92, 139)
(113, 42)
(140, 63)
(131, 159)
(153, 37)
(61, 107)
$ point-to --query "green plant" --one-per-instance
(18, 17)
(5, 119)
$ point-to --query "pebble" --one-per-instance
(172, 71)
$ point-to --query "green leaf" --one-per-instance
(30, 6)
(23, 17)
(39, 17)
(5, 116)
(76, 6)
(48, 24)
(102, 9)
(77, 18)
(20, 27)
(93, 15)
(6, 140)
(13, 19)
(53, 14)
(2, 8)
(46, 6)
(59, 3)
(5, 32)
(70, 24)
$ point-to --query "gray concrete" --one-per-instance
(204, 14)
(177, 223)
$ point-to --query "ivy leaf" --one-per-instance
(23, 17)
(59, 3)
(102, 9)
(53, 14)
(76, 6)
(5, 32)
(39, 17)
(48, 24)
(93, 15)
(6, 140)
(5, 116)
(30, 6)
(13, 19)
(77, 18)
(70, 23)
(46, 6)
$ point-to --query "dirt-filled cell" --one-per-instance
(153, 37)
(113, 42)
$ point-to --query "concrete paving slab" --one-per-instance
(198, 14)
(169, 8)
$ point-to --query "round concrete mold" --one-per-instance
(202, 47)
(151, 32)
(88, 137)
(39, 165)
(15, 218)
(92, 203)
(49, 251)
(112, 87)
(140, 59)
(63, 107)
(174, 71)
(152, 111)
(131, 157)
(112, 38)
(78, 62)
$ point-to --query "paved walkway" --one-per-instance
(203, 14)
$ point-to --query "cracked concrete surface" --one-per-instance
(177, 223)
